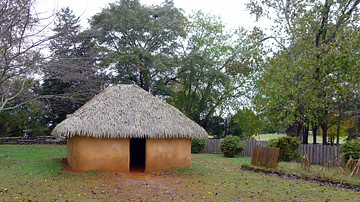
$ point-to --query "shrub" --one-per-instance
(197, 145)
(351, 148)
(287, 146)
(231, 145)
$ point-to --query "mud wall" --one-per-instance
(167, 153)
(89, 153)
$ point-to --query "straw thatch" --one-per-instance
(124, 111)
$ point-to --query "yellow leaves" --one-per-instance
(5, 191)
(45, 180)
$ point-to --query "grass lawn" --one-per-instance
(33, 172)
(267, 137)
(333, 173)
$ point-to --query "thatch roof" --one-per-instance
(123, 111)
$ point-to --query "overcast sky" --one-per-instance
(232, 12)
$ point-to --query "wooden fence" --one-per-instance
(32, 140)
(212, 146)
(317, 153)
(250, 145)
(321, 154)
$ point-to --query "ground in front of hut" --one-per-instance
(34, 172)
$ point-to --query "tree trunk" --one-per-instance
(145, 79)
(356, 112)
(314, 129)
(324, 128)
(305, 134)
(294, 130)
(338, 126)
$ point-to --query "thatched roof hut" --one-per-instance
(122, 114)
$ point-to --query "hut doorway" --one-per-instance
(137, 154)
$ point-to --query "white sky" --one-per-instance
(232, 12)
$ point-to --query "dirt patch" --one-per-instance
(151, 185)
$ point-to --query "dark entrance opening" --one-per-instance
(137, 154)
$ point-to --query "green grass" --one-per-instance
(34, 173)
(333, 173)
(267, 137)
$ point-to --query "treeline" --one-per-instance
(192, 62)
(301, 75)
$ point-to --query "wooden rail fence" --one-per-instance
(317, 153)
(32, 140)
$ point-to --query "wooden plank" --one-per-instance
(212, 146)
(314, 154)
(266, 157)
(323, 161)
(321, 154)
(326, 154)
(334, 154)
(311, 153)
(307, 149)
(247, 147)
(317, 151)
(249, 150)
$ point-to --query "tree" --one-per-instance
(20, 41)
(23, 120)
(308, 34)
(214, 71)
(71, 76)
(244, 124)
(139, 42)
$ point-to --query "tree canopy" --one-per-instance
(307, 77)
(228, 81)
(139, 42)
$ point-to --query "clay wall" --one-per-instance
(89, 153)
(167, 153)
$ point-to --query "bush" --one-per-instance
(231, 145)
(287, 146)
(351, 148)
(197, 145)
